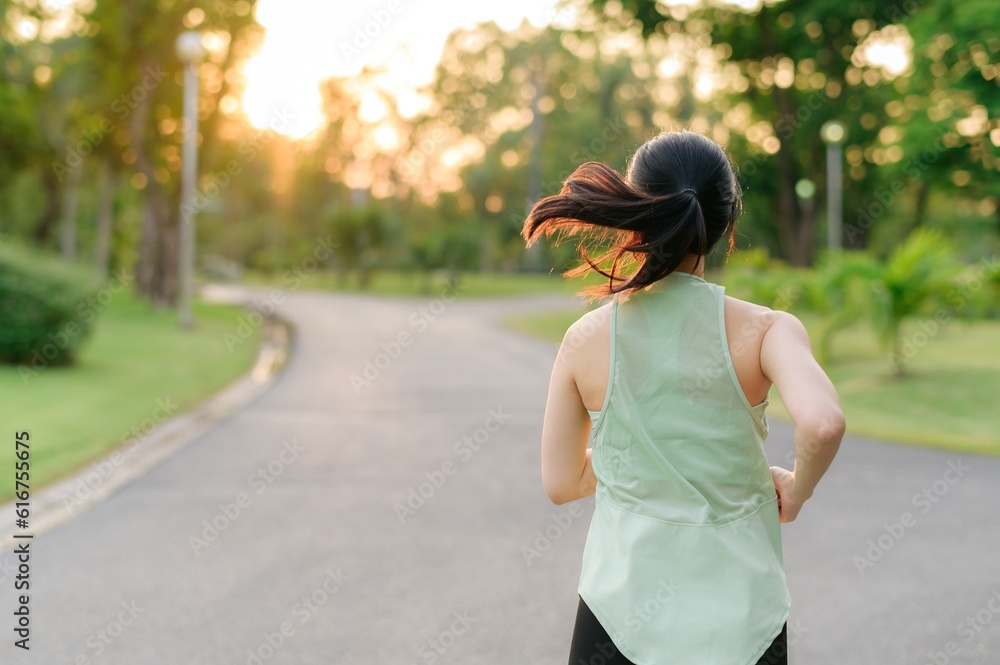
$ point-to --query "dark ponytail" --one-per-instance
(679, 198)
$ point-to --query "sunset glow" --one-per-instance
(308, 41)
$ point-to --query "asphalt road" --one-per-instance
(398, 517)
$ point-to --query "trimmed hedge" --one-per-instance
(46, 307)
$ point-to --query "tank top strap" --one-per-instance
(756, 411)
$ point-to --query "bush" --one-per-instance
(841, 291)
(755, 276)
(978, 290)
(43, 313)
(917, 274)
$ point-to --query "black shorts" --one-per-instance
(592, 645)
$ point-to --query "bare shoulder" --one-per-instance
(788, 327)
(585, 352)
(591, 329)
(750, 318)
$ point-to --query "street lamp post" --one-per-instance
(190, 51)
(833, 134)
(805, 189)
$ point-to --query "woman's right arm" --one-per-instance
(786, 359)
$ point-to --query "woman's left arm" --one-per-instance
(567, 471)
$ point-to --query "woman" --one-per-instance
(683, 562)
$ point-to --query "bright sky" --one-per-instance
(307, 41)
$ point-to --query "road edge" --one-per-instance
(62, 500)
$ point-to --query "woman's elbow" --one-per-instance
(558, 493)
(826, 428)
(833, 427)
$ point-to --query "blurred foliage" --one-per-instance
(921, 278)
(101, 82)
(840, 291)
(47, 308)
(19, 138)
(947, 114)
(917, 275)
(931, 127)
(534, 110)
(358, 235)
(439, 179)
(755, 276)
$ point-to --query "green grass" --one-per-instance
(137, 356)
(550, 325)
(946, 399)
(397, 283)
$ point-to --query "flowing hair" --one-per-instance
(680, 197)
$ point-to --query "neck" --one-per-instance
(693, 264)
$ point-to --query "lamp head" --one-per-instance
(833, 131)
(189, 47)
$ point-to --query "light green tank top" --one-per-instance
(683, 562)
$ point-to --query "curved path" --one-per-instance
(399, 519)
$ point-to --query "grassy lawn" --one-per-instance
(137, 367)
(396, 283)
(947, 399)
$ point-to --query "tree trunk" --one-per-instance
(796, 229)
(169, 259)
(157, 272)
(148, 242)
(105, 221)
(47, 222)
(920, 208)
(158, 251)
(67, 225)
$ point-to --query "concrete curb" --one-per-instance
(75, 494)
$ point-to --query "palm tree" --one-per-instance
(841, 291)
(918, 272)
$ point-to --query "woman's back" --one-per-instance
(683, 560)
(745, 322)
(684, 497)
